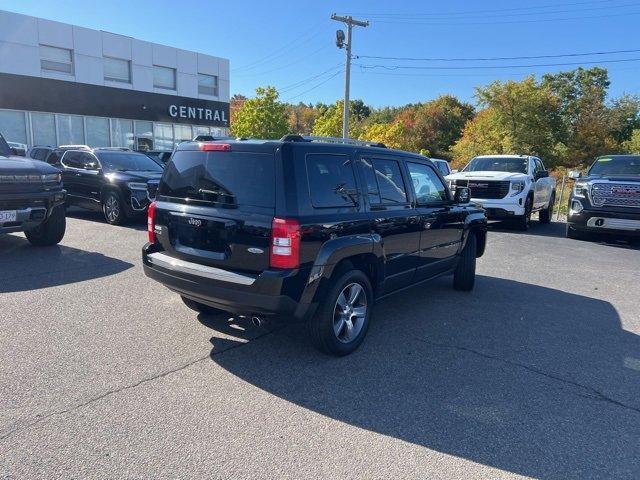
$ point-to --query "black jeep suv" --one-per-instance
(307, 229)
(113, 180)
(607, 200)
(31, 198)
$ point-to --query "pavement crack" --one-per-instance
(40, 419)
(590, 392)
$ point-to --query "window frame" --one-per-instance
(129, 80)
(382, 205)
(216, 87)
(175, 78)
(435, 170)
(81, 152)
(71, 62)
(348, 159)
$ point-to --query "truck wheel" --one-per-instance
(464, 276)
(51, 231)
(545, 215)
(341, 323)
(113, 208)
(523, 223)
(200, 307)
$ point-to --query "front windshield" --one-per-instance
(497, 164)
(619, 165)
(121, 161)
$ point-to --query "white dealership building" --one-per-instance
(66, 84)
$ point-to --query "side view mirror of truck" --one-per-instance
(575, 174)
(462, 195)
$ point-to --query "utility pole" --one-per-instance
(349, 22)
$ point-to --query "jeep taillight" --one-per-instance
(151, 222)
(285, 243)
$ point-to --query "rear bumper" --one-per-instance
(272, 293)
(31, 208)
(611, 222)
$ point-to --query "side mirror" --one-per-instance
(455, 170)
(462, 195)
(542, 174)
(575, 174)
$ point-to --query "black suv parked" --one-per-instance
(113, 180)
(607, 200)
(31, 198)
(307, 229)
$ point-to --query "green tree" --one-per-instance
(484, 135)
(301, 118)
(329, 123)
(633, 144)
(624, 114)
(261, 117)
(392, 135)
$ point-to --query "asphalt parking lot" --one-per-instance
(536, 373)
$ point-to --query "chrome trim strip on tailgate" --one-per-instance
(171, 263)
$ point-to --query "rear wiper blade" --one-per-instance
(215, 192)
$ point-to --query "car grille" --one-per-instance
(486, 188)
(615, 194)
(21, 204)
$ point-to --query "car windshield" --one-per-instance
(122, 161)
(497, 164)
(622, 165)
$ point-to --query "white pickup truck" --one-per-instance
(509, 187)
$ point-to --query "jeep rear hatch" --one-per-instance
(216, 207)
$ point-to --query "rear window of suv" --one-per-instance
(229, 179)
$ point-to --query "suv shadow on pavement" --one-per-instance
(548, 387)
(26, 268)
(135, 223)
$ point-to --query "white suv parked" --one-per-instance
(509, 187)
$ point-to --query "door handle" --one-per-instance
(78, 174)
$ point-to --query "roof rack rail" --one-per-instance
(344, 141)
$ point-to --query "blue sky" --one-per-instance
(291, 44)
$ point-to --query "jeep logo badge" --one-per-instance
(196, 222)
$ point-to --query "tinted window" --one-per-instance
(497, 164)
(443, 167)
(73, 159)
(623, 165)
(372, 184)
(227, 178)
(331, 180)
(426, 183)
(390, 185)
(54, 157)
(123, 161)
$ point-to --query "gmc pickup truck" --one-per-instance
(509, 187)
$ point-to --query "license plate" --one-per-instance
(7, 216)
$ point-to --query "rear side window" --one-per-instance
(73, 159)
(228, 179)
(331, 180)
(384, 182)
(54, 157)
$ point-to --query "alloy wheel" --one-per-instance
(350, 312)
(112, 208)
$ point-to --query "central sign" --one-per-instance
(199, 113)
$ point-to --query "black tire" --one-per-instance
(545, 215)
(523, 222)
(200, 307)
(325, 322)
(464, 276)
(113, 208)
(51, 231)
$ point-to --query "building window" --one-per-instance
(70, 130)
(44, 129)
(57, 60)
(122, 133)
(163, 134)
(116, 70)
(97, 132)
(164, 77)
(182, 133)
(207, 85)
(144, 135)
(13, 126)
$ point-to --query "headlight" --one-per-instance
(52, 178)
(137, 186)
(579, 189)
(517, 187)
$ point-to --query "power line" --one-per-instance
(467, 12)
(315, 86)
(293, 86)
(480, 67)
(288, 64)
(487, 59)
